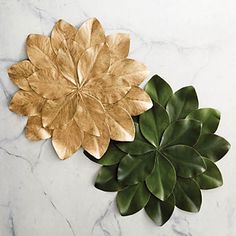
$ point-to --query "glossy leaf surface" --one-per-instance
(135, 169)
(160, 211)
(159, 90)
(161, 181)
(182, 103)
(106, 179)
(209, 118)
(186, 160)
(187, 195)
(181, 132)
(212, 146)
(211, 178)
(153, 123)
(132, 199)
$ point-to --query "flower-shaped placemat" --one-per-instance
(79, 88)
(171, 158)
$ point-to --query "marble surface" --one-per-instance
(186, 42)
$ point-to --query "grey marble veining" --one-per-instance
(185, 42)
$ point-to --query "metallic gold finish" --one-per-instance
(79, 88)
(35, 130)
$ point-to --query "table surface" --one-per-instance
(187, 43)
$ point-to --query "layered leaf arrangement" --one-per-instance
(171, 158)
(79, 87)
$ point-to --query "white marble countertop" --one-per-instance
(186, 42)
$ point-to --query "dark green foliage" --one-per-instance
(171, 158)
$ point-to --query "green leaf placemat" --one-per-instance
(171, 158)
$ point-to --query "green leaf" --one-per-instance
(211, 178)
(186, 160)
(153, 123)
(112, 156)
(181, 132)
(212, 146)
(132, 199)
(106, 179)
(135, 169)
(187, 195)
(138, 147)
(158, 90)
(209, 118)
(160, 211)
(162, 180)
(182, 103)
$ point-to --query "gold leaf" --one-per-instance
(27, 103)
(89, 114)
(66, 65)
(120, 123)
(118, 45)
(40, 51)
(136, 101)
(97, 146)
(62, 32)
(75, 51)
(134, 72)
(79, 87)
(63, 36)
(67, 141)
(90, 33)
(49, 84)
(35, 130)
(94, 61)
(107, 88)
(20, 72)
(58, 113)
